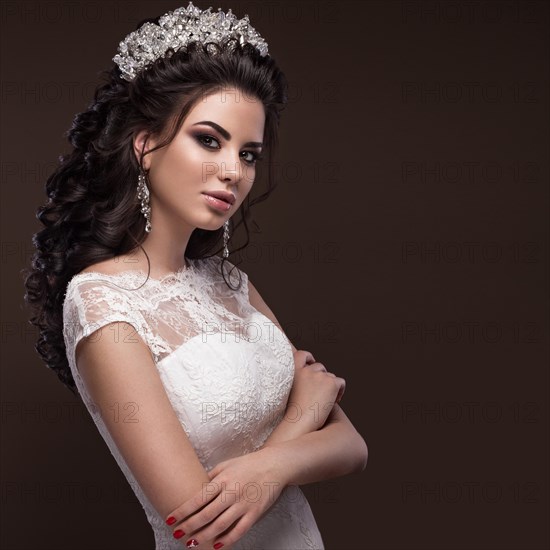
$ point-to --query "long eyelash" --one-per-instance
(200, 136)
(257, 156)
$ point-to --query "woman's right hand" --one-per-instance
(314, 392)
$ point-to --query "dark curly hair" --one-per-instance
(92, 212)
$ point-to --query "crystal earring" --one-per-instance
(225, 238)
(143, 195)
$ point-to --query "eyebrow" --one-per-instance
(226, 134)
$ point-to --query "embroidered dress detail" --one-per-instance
(218, 358)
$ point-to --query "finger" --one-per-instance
(208, 491)
(217, 469)
(302, 357)
(317, 367)
(220, 527)
(214, 471)
(198, 523)
(236, 532)
(341, 390)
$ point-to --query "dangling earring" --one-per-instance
(143, 195)
(225, 238)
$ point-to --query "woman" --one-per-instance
(212, 414)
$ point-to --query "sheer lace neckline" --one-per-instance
(141, 274)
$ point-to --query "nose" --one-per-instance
(230, 171)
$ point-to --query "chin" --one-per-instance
(210, 224)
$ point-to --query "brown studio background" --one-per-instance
(406, 247)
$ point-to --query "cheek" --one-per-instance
(180, 168)
(194, 164)
(244, 190)
(249, 174)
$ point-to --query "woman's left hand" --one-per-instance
(240, 490)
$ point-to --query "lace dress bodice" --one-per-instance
(216, 356)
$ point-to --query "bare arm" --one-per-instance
(287, 456)
(333, 451)
(154, 445)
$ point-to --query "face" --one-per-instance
(215, 151)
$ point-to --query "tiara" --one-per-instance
(175, 30)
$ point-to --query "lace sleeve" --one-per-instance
(92, 304)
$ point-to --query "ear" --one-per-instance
(143, 142)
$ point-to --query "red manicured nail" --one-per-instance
(171, 520)
(178, 534)
(191, 543)
(218, 545)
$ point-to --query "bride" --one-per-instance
(213, 416)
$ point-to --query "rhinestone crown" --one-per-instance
(175, 30)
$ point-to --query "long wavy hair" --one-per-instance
(92, 212)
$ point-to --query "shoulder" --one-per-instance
(216, 267)
(98, 290)
(113, 266)
(94, 299)
(258, 303)
(106, 274)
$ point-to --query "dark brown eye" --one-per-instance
(202, 137)
(254, 158)
(206, 139)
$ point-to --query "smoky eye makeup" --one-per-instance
(206, 140)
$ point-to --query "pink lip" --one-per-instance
(223, 195)
(218, 204)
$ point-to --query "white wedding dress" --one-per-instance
(218, 358)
